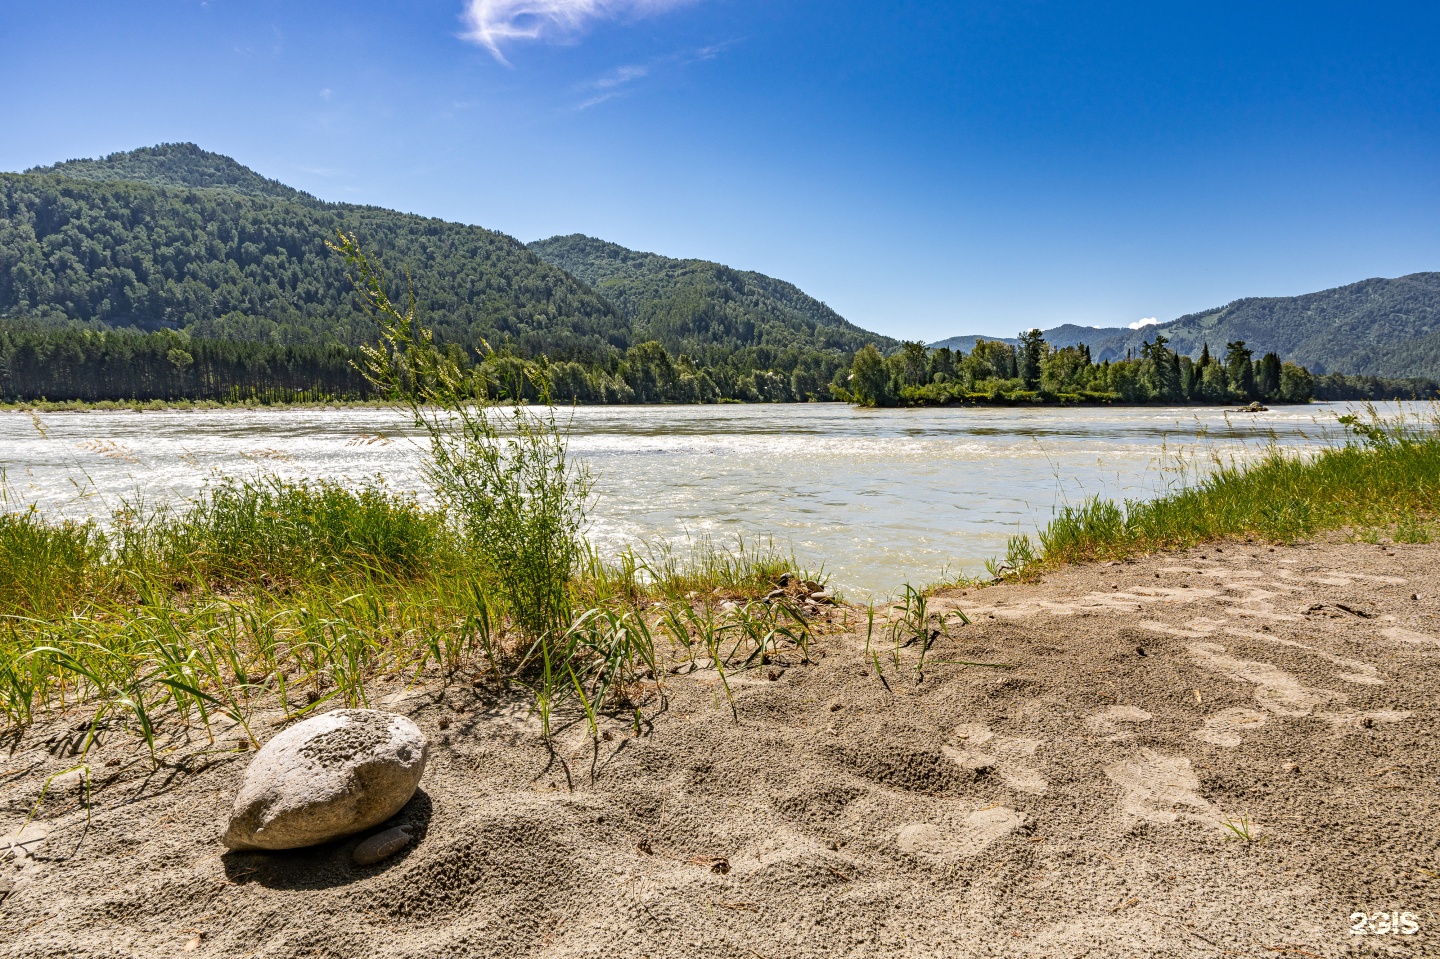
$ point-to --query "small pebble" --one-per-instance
(382, 845)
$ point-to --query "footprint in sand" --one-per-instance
(1345, 579)
(1358, 672)
(1161, 789)
(1113, 722)
(946, 843)
(1225, 727)
(1402, 635)
(1009, 755)
(1282, 694)
(1348, 720)
(1275, 689)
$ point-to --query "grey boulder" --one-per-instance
(327, 777)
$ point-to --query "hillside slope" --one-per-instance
(1377, 327)
(242, 257)
(174, 164)
(699, 307)
(175, 237)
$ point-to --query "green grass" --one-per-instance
(1385, 474)
(274, 595)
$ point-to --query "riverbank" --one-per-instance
(1227, 748)
(879, 497)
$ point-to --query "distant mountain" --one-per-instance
(1066, 335)
(698, 307)
(1377, 327)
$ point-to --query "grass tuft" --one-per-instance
(1384, 469)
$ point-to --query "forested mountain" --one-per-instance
(171, 272)
(175, 164)
(173, 241)
(702, 308)
(1378, 327)
(226, 264)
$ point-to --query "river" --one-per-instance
(879, 497)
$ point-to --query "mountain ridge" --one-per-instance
(670, 299)
(1380, 326)
(183, 165)
(176, 237)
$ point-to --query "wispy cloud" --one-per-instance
(618, 82)
(612, 85)
(493, 23)
(1142, 323)
(621, 76)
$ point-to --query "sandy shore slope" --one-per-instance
(1071, 799)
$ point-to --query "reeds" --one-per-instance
(1384, 475)
(278, 597)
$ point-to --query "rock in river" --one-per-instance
(327, 777)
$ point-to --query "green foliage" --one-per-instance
(505, 478)
(93, 365)
(870, 379)
(269, 533)
(45, 566)
(130, 241)
(1336, 386)
(93, 253)
(1036, 372)
(176, 165)
(274, 532)
(700, 308)
(1388, 469)
(1030, 356)
(1379, 327)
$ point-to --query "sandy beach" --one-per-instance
(1225, 751)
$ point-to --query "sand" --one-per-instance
(1073, 802)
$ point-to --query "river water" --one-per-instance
(879, 498)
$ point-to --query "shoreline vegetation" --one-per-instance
(1383, 480)
(80, 368)
(271, 595)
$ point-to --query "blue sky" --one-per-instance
(925, 168)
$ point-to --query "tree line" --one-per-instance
(94, 364)
(1034, 371)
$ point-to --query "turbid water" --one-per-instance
(879, 497)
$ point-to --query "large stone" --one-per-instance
(330, 776)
